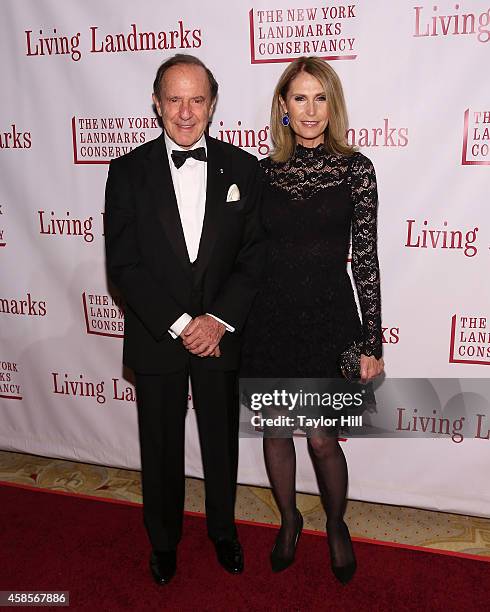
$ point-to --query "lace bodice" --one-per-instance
(311, 171)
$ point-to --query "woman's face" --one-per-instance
(306, 104)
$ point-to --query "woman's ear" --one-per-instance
(283, 105)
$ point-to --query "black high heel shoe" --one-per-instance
(343, 573)
(279, 562)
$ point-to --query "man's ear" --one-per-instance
(156, 102)
(212, 107)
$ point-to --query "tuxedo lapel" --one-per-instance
(164, 200)
(217, 173)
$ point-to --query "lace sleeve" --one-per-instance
(365, 266)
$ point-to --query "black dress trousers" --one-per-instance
(162, 408)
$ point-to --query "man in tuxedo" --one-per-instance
(184, 247)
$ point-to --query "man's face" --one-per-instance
(184, 103)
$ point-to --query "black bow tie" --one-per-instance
(179, 157)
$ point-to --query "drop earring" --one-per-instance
(285, 119)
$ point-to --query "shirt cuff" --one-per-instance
(177, 327)
(228, 327)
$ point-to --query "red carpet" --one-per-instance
(98, 551)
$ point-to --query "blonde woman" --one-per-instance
(317, 189)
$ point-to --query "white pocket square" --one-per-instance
(233, 193)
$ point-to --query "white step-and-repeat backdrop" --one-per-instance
(76, 81)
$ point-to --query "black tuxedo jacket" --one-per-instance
(148, 262)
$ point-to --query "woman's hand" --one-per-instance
(371, 367)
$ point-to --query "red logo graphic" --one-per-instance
(470, 340)
(51, 42)
(476, 138)
(257, 140)
(429, 22)
(283, 34)
(104, 315)
(382, 136)
(53, 224)
(425, 236)
(13, 139)
(79, 385)
(25, 307)
(390, 335)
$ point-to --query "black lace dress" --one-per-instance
(305, 313)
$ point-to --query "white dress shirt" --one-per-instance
(190, 181)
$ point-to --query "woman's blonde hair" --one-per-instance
(336, 130)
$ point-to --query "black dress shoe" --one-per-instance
(163, 565)
(280, 562)
(343, 573)
(230, 555)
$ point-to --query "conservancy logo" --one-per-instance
(104, 314)
(97, 140)
(470, 340)
(282, 34)
(9, 380)
(476, 138)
